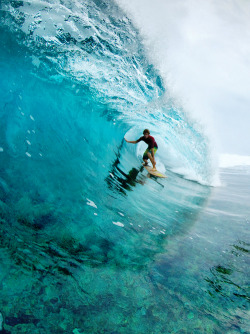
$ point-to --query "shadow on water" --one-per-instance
(120, 181)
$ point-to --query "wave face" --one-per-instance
(92, 51)
(77, 207)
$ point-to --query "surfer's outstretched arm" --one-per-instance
(131, 141)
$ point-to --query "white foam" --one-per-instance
(118, 224)
(91, 203)
(32, 118)
(28, 154)
(1, 149)
(233, 160)
(28, 142)
(121, 214)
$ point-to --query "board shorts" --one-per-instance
(145, 154)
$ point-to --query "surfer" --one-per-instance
(150, 151)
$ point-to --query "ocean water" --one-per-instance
(90, 243)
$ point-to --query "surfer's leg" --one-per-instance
(145, 157)
(151, 158)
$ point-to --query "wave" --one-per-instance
(83, 225)
(95, 48)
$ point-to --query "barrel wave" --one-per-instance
(83, 227)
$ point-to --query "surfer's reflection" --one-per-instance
(121, 181)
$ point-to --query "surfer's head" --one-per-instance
(146, 132)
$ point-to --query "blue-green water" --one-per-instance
(89, 242)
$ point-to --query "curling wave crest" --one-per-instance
(94, 47)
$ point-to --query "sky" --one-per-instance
(202, 50)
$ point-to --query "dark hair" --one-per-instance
(146, 131)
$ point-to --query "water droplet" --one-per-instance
(91, 203)
(118, 224)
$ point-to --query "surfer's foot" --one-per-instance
(145, 164)
(153, 169)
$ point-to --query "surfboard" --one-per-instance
(154, 172)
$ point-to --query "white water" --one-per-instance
(202, 50)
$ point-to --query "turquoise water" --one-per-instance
(89, 242)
